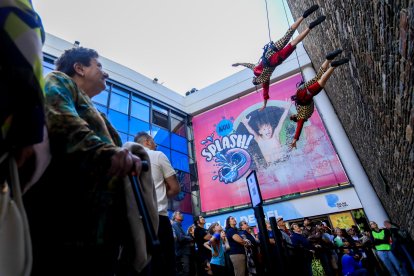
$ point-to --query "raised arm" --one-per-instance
(207, 245)
(281, 120)
(246, 121)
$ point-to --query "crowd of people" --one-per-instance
(306, 249)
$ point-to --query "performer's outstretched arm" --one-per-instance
(299, 126)
(265, 87)
(248, 65)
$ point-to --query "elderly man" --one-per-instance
(166, 186)
(182, 243)
(77, 212)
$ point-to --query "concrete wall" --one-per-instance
(373, 94)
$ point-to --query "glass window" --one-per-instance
(120, 91)
(119, 103)
(101, 98)
(161, 136)
(118, 120)
(160, 119)
(178, 124)
(101, 108)
(140, 100)
(136, 126)
(165, 150)
(190, 134)
(140, 111)
(160, 109)
(179, 161)
(179, 143)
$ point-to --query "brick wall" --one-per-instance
(373, 94)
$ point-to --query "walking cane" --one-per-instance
(151, 238)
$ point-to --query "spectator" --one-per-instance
(285, 232)
(22, 120)
(327, 242)
(245, 230)
(252, 249)
(237, 253)
(381, 240)
(354, 236)
(400, 247)
(23, 139)
(166, 186)
(190, 232)
(303, 251)
(201, 236)
(323, 248)
(308, 229)
(340, 240)
(77, 212)
(351, 264)
(182, 244)
(272, 240)
(218, 245)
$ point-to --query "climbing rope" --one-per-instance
(296, 52)
(268, 23)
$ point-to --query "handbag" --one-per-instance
(317, 268)
(15, 242)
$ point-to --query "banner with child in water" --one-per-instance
(235, 138)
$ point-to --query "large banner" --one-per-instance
(235, 138)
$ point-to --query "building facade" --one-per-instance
(213, 139)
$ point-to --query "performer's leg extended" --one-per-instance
(312, 87)
(329, 57)
(322, 81)
(281, 43)
(303, 34)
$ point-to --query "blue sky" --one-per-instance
(183, 43)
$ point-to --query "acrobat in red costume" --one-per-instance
(306, 91)
(275, 53)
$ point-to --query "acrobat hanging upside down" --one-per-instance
(275, 53)
(306, 91)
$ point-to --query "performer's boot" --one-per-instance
(318, 21)
(333, 54)
(310, 11)
(336, 63)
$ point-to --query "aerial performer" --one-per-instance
(307, 90)
(275, 53)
